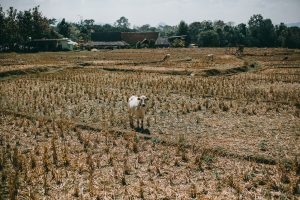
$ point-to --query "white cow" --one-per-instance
(137, 108)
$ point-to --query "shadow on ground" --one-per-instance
(143, 131)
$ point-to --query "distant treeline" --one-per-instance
(17, 28)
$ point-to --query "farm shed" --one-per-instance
(162, 42)
(105, 45)
(180, 37)
(121, 39)
(53, 44)
(106, 36)
(132, 37)
(68, 45)
(104, 40)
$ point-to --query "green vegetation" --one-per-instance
(17, 28)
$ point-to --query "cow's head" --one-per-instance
(143, 100)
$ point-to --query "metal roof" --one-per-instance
(162, 41)
(103, 43)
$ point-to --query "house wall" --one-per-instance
(45, 45)
(65, 46)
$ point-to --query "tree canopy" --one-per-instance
(122, 24)
(17, 28)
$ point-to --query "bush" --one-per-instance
(178, 43)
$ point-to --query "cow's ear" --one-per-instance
(139, 98)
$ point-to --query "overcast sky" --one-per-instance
(170, 12)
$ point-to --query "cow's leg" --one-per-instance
(138, 122)
(142, 122)
(131, 120)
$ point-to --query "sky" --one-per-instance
(155, 12)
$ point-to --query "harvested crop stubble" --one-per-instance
(66, 134)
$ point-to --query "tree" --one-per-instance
(74, 32)
(64, 28)
(11, 28)
(25, 21)
(166, 30)
(219, 28)
(108, 28)
(219, 24)
(229, 36)
(208, 39)
(281, 31)
(194, 30)
(17, 28)
(52, 21)
(241, 31)
(262, 31)
(122, 24)
(267, 34)
(89, 23)
(2, 28)
(293, 37)
(207, 25)
(255, 24)
(85, 28)
(222, 39)
(145, 28)
(183, 29)
(41, 26)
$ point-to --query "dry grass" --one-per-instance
(235, 134)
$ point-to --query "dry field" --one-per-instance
(227, 128)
